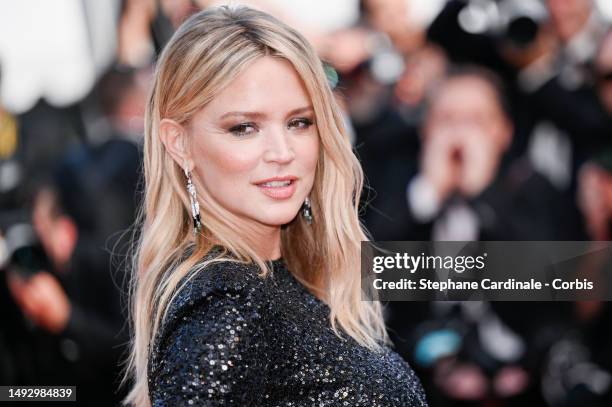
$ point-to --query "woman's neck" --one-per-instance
(265, 240)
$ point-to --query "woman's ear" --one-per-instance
(174, 137)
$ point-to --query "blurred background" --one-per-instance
(473, 120)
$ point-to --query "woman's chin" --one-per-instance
(279, 218)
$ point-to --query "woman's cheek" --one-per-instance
(229, 158)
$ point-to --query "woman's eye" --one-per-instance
(302, 123)
(243, 129)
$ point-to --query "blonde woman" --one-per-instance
(247, 289)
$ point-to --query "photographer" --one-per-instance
(544, 52)
(76, 303)
(467, 188)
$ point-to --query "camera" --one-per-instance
(513, 22)
(22, 251)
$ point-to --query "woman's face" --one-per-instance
(255, 146)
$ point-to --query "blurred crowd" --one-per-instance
(490, 120)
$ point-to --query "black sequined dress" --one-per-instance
(232, 338)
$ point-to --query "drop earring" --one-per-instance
(307, 211)
(195, 206)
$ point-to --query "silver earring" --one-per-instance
(195, 206)
(307, 211)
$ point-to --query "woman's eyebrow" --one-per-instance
(300, 110)
(259, 115)
(250, 115)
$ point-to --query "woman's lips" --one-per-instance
(278, 189)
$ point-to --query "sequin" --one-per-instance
(232, 338)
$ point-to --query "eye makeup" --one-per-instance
(248, 128)
(243, 129)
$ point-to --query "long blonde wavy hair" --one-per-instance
(204, 55)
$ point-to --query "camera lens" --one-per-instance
(522, 31)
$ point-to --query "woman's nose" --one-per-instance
(278, 146)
